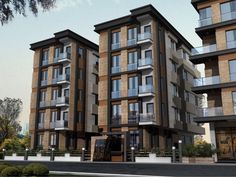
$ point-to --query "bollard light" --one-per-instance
(132, 154)
(83, 154)
(180, 151)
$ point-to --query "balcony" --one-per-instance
(64, 78)
(133, 119)
(147, 119)
(59, 125)
(115, 94)
(44, 62)
(115, 69)
(115, 46)
(116, 120)
(228, 16)
(204, 49)
(132, 66)
(62, 101)
(145, 63)
(144, 38)
(43, 104)
(44, 82)
(231, 44)
(146, 90)
(63, 57)
(131, 42)
(133, 92)
(205, 22)
(206, 81)
(209, 112)
(40, 125)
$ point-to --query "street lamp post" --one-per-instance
(180, 151)
(83, 154)
(132, 154)
(26, 154)
(173, 154)
(52, 154)
(4, 153)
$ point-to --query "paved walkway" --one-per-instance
(143, 169)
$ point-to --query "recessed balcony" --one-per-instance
(147, 119)
(132, 66)
(205, 22)
(63, 57)
(133, 92)
(62, 101)
(145, 63)
(204, 49)
(63, 79)
(131, 42)
(144, 38)
(206, 81)
(228, 16)
(115, 46)
(146, 90)
(115, 94)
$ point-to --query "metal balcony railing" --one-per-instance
(63, 78)
(147, 117)
(116, 120)
(62, 100)
(44, 82)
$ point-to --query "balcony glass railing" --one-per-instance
(204, 49)
(59, 124)
(145, 89)
(208, 112)
(231, 44)
(132, 66)
(54, 80)
(62, 100)
(43, 104)
(40, 125)
(207, 81)
(133, 119)
(205, 22)
(228, 16)
(233, 77)
(53, 102)
(115, 94)
(133, 92)
(63, 77)
(44, 82)
(115, 69)
(44, 62)
(147, 117)
(131, 42)
(116, 120)
(144, 36)
(144, 62)
(62, 57)
(115, 46)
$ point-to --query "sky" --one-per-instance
(80, 16)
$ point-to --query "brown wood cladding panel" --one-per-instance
(211, 68)
(214, 99)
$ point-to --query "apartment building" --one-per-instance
(145, 81)
(217, 29)
(64, 107)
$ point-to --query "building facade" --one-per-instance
(217, 29)
(64, 95)
(145, 81)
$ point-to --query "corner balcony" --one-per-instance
(147, 119)
(59, 125)
(115, 69)
(62, 101)
(144, 38)
(145, 63)
(63, 79)
(116, 120)
(133, 92)
(206, 81)
(115, 94)
(63, 57)
(132, 66)
(131, 42)
(146, 90)
(115, 46)
(204, 49)
(205, 22)
(228, 16)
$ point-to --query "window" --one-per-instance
(80, 117)
(185, 75)
(175, 90)
(231, 38)
(81, 52)
(66, 93)
(228, 10)
(55, 73)
(41, 117)
(40, 140)
(116, 38)
(57, 52)
(115, 63)
(133, 112)
(43, 95)
(65, 115)
(53, 139)
(174, 66)
(147, 29)
(116, 113)
(67, 70)
(54, 116)
(132, 33)
(232, 70)
(44, 75)
(45, 56)
(132, 57)
(148, 54)
(185, 55)
(68, 49)
(80, 95)
(234, 98)
(54, 94)
(150, 108)
(176, 113)
(134, 139)
(189, 118)
(133, 82)
(149, 80)
(116, 85)
(205, 16)
(172, 44)
(80, 74)
(186, 95)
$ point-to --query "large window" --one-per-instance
(132, 36)
(116, 114)
(150, 108)
(54, 116)
(148, 54)
(45, 57)
(44, 75)
(234, 97)
(53, 139)
(116, 88)
(133, 86)
(57, 52)
(231, 38)
(132, 57)
(65, 115)
(176, 113)
(205, 16)
(41, 117)
(115, 40)
(134, 139)
(228, 10)
(175, 90)
(55, 73)
(232, 70)
(43, 95)
(174, 66)
(40, 139)
(54, 94)
(133, 112)
(147, 29)
(115, 64)
(172, 44)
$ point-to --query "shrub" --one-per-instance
(35, 169)
(20, 168)
(10, 171)
(199, 150)
(2, 167)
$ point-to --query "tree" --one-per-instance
(9, 113)
(9, 7)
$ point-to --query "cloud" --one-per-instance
(62, 4)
